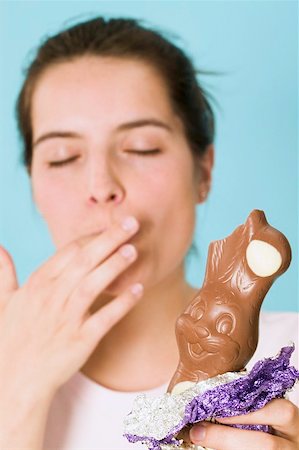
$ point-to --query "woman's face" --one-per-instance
(107, 144)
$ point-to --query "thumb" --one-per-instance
(8, 276)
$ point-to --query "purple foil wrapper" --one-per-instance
(269, 378)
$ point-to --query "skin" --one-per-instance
(76, 199)
(281, 414)
(108, 182)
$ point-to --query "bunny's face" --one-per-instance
(212, 332)
(216, 311)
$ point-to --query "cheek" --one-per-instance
(51, 198)
(169, 199)
(57, 205)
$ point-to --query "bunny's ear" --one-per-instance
(224, 255)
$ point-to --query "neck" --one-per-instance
(140, 352)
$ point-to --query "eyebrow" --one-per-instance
(122, 127)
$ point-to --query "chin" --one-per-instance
(118, 286)
(124, 281)
(136, 273)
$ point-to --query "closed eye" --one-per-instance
(64, 162)
(150, 151)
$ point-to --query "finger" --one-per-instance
(99, 323)
(8, 275)
(96, 251)
(88, 250)
(96, 281)
(281, 414)
(94, 255)
(185, 434)
(223, 437)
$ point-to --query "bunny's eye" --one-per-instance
(225, 324)
(198, 313)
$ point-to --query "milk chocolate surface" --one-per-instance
(218, 332)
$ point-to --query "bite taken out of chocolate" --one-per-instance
(218, 332)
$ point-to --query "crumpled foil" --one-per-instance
(157, 421)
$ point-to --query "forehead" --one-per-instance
(111, 89)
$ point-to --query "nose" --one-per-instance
(104, 185)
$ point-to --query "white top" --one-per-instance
(87, 416)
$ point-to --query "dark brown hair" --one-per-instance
(123, 38)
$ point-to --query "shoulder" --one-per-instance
(276, 330)
(274, 316)
(279, 326)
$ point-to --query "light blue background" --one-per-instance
(255, 44)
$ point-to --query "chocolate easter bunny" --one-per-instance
(218, 332)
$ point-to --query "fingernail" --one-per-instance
(198, 432)
(137, 289)
(128, 251)
(130, 223)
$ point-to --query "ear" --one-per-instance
(204, 169)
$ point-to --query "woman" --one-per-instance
(118, 142)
